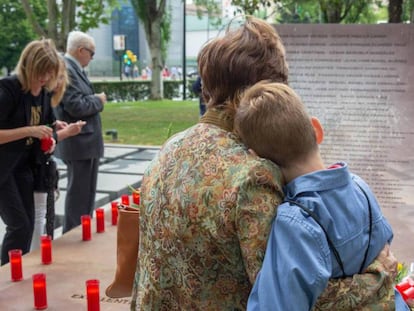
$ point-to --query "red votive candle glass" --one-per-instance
(125, 199)
(15, 258)
(92, 295)
(39, 291)
(114, 210)
(406, 289)
(86, 227)
(46, 249)
(100, 220)
(135, 197)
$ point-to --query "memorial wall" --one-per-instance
(359, 81)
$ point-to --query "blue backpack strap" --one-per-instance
(370, 226)
(330, 243)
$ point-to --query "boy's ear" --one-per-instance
(317, 127)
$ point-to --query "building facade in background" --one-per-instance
(107, 63)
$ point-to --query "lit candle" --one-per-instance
(86, 227)
(114, 209)
(39, 291)
(92, 295)
(135, 197)
(15, 258)
(125, 199)
(46, 249)
(100, 220)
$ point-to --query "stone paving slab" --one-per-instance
(147, 154)
(121, 166)
(118, 152)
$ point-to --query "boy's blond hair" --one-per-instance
(272, 120)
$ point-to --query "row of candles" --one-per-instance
(100, 218)
(39, 279)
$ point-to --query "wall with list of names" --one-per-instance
(359, 81)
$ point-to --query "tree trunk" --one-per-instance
(68, 20)
(32, 19)
(150, 14)
(53, 21)
(155, 49)
(395, 11)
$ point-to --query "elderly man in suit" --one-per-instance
(80, 153)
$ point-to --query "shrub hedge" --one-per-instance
(134, 90)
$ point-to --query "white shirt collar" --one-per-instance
(75, 60)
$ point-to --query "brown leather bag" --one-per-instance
(127, 253)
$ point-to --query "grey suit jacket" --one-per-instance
(80, 103)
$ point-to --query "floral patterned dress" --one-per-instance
(207, 209)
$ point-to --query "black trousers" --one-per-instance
(81, 190)
(17, 209)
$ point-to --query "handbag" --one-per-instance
(52, 179)
(127, 252)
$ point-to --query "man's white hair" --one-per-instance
(77, 39)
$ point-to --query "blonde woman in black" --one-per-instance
(24, 109)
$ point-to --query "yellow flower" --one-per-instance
(402, 271)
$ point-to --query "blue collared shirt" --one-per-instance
(298, 262)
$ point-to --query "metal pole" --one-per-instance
(184, 54)
(120, 66)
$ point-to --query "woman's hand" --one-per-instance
(60, 125)
(71, 129)
(40, 131)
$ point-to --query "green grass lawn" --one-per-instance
(148, 122)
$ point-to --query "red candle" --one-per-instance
(100, 220)
(39, 291)
(92, 295)
(46, 249)
(114, 210)
(125, 199)
(406, 289)
(15, 258)
(86, 227)
(135, 197)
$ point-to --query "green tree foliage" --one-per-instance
(324, 11)
(210, 8)
(64, 16)
(299, 12)
(408, 11)
(15, 31)
(251, 7)
(156, 20)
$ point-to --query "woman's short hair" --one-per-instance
(273, 121)
(243, 56)
(38, 58)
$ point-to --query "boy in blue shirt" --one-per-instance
(330, 224)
